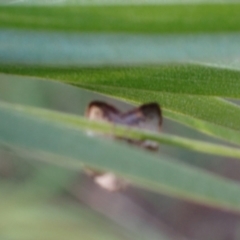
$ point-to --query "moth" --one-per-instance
(147, 116)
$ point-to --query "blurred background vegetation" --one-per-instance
(57, 56)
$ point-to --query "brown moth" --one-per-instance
(147, 116)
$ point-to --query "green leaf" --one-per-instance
(133, 19)
(168, 78)
(64, 145)
(125, 132)
(189, 94)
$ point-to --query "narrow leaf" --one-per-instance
(65, 145)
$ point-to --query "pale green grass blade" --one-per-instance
(26, 47)
(66, 146)
(120, 131)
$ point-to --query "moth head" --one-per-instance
(96, 113)
(100, 111)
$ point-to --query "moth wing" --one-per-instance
(147, 116)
